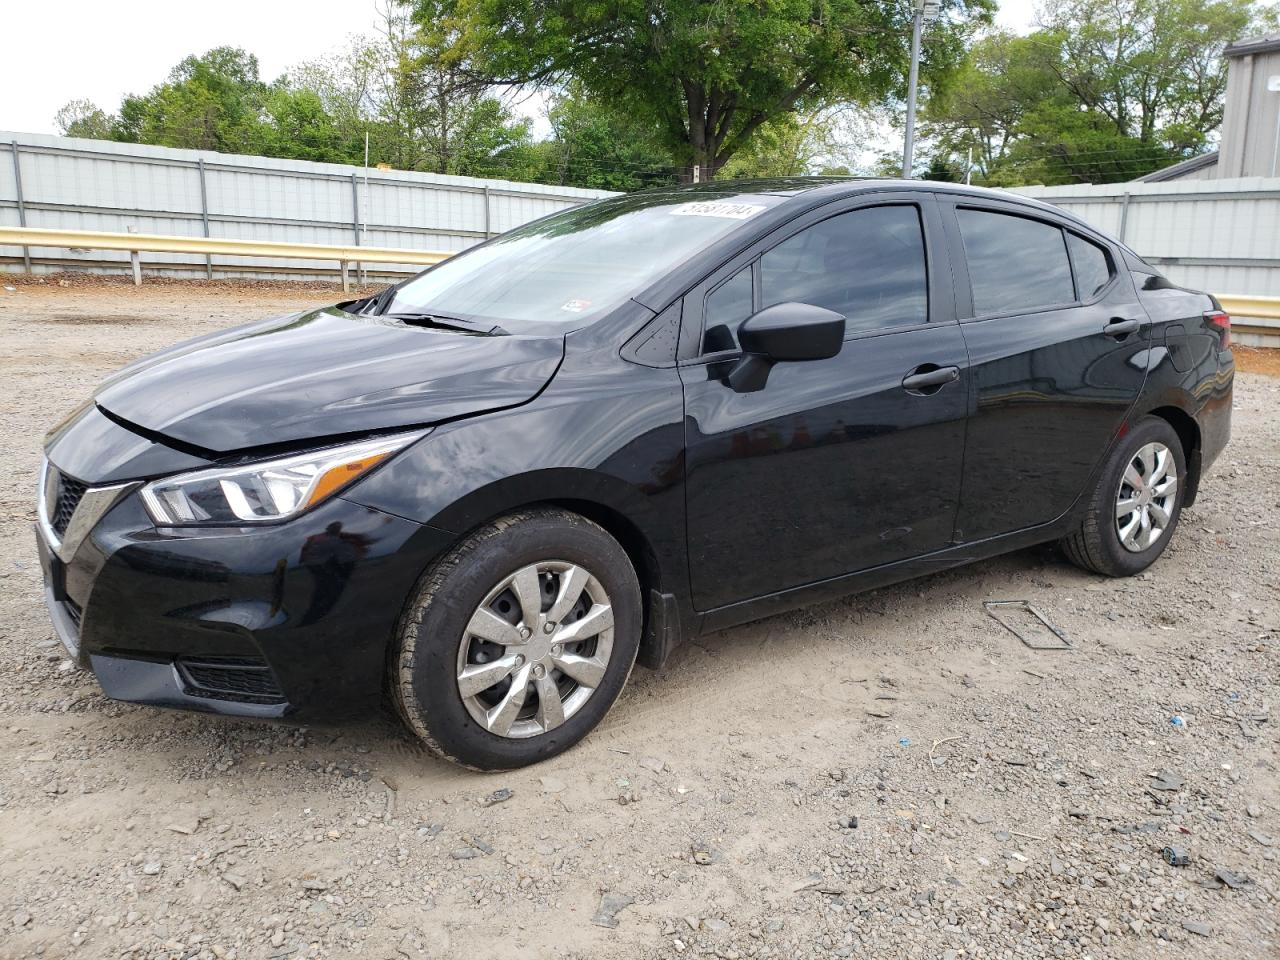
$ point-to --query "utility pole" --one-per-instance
(923, 8)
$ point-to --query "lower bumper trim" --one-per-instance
(66, 625)
(158, 684)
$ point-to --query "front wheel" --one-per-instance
(1131, 515)
(517, 643)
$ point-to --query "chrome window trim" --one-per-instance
(91, 508)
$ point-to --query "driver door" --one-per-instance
(834, 466)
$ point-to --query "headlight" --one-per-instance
(268, 490)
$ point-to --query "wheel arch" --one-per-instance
(1188, 431)
(651, 538)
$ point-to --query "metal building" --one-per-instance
(1250, 145)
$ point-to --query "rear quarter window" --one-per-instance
(1092, 266)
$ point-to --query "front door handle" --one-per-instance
(921, 379)
(1120, 327)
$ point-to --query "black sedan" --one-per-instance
(490, 490)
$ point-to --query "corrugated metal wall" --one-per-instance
(1221, 235)
(1218, 235)
(68, 183)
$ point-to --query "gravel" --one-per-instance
(1011, 804)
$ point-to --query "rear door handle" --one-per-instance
(921, 380)
(1119, 327)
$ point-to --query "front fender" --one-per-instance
(607, 434)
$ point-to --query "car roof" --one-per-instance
(827, 188)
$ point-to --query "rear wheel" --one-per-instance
(1134, 510)
(517, 643)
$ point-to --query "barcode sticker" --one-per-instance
(718, 208)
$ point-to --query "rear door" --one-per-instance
(1058, 348)
(836, 465)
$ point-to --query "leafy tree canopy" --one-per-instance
(707, 74)
(1106, 90)
(595, 145)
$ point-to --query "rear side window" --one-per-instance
(1015, 264)
(1092, 265)
(868, 265)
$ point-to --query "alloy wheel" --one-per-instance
(1146, 497)
(535, 649)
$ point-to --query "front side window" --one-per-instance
(868, 265)
(727, 306)
(1016, 264)
(1093, 266)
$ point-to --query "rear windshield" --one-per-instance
(571, 267)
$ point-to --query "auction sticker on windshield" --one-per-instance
(718, 208)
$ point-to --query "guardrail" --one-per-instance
(135, 243)
(1264, 308)
(1255, 321)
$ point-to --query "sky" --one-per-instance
(88, 49)
(100, 51)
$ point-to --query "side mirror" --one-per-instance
(784, 332)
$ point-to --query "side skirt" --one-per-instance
(734, 614)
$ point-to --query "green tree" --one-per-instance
(209, 102)
(296, 125)
(352, 86)
(978, 114)
(708, 74)
(83, 118)
(1107, 90)
(796, 144)
(422, 107)
(595, 146)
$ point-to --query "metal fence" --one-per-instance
(69, 183)
(1217, 235)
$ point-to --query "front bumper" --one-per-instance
(289, 619)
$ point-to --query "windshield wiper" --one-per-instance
(444, 322)
(371, 305)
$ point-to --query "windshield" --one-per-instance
(573, 266)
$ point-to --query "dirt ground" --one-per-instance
(890, 775)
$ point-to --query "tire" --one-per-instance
(1097, 544)
(438, 648)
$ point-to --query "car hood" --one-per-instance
(324, 373)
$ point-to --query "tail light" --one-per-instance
(1220, 322)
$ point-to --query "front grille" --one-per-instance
(244, 679)
(66, 497)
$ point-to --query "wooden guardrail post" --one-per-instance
(346, 276)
